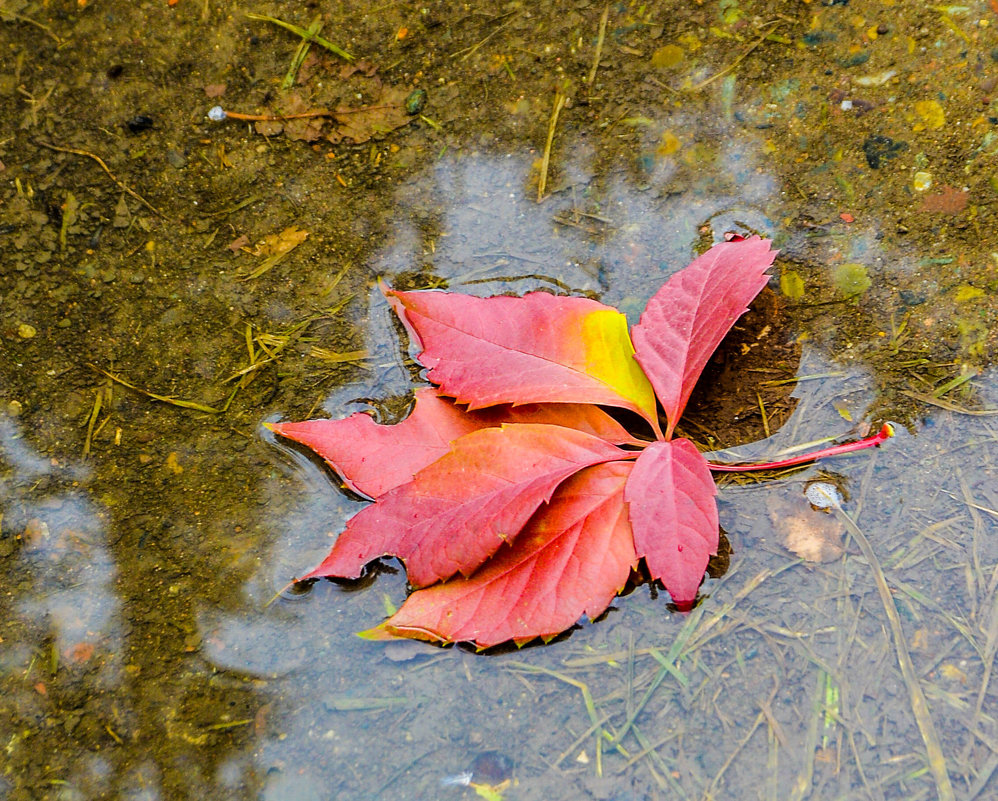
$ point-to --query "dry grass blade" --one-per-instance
(92, 421)
(121, 185)
(665, 779)
(802, 786)
(919, 706)
(716, 781)
(542, 181)
(336, 357)
(602, 734)
(950, 407)
(306, 35)
(772, 26)
(600, 39)
(168, 399)
(467, 52)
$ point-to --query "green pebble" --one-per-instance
(415, 102)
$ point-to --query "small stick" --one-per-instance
(124, 187)
(218, 114)
(559, 104)
(94, 414)
(601, 37)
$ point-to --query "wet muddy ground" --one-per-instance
(168, 283)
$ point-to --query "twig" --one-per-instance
(217, 114)
(94, 414)
(542, 182)
(121, 185)
(601, 37)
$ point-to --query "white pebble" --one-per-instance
(823, 495)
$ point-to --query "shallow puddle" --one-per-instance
(159, 302)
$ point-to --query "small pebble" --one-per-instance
(139, 123)
(416, 101)
(823, 495)
(176, 158)
(14, 408)
(921, 181)
(491, 767)
(25, 331)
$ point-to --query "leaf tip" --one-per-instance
(685, 605)
(379, 633)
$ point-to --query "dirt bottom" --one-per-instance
(746, 391)
(168, 282)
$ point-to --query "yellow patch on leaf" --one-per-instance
(610, 359)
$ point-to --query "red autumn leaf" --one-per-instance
(524, 507)
(536, 349)
(685, 321)
(582, 416)
(674, 515)
(457, 511)
(571, 559)
(372, 459)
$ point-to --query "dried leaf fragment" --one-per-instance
(812, 535)
(275, 247)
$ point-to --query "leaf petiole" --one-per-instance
(885, 433)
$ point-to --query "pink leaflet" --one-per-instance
(571, 559)
(457, 511)
(539, 348)
(581, 416)
(674, 515)
(372, 459)
(685, 321)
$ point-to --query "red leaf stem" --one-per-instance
(885, 433)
